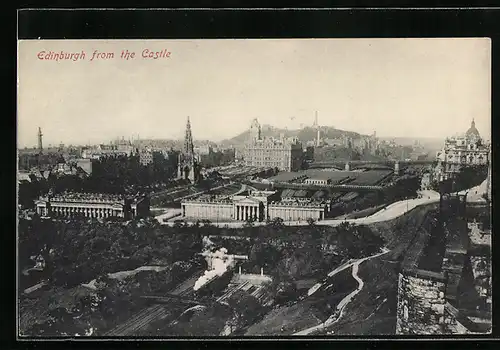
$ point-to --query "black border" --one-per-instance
(293, 23)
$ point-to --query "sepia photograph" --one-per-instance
(254, 188)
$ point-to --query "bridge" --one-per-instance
(359, 164)
(336, 188)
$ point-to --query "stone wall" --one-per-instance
(210, 210)
(421, 302)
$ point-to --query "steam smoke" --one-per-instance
(207, 243)
(219, 267)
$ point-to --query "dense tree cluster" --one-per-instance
(289, 254)
(77, 251)
(470, 176)
(118, 175)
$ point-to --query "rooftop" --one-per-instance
(87, 197)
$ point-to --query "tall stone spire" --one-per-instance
(40, 144)
(187, 167)
(188, 140)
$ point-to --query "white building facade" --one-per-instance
(256, 206)
(468, 149)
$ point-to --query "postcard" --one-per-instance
(254, 188)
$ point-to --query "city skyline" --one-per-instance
(440, 82)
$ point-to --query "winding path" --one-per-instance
(339, 312)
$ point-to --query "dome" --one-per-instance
(472, 132)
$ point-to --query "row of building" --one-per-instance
(92, 205)
(252, 205)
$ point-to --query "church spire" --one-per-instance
(188, 140)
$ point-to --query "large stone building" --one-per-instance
(253, 205)
(92, 205)
(459, 151)
(284, 153)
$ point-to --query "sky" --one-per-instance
(396, 87)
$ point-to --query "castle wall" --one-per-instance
(421, 303)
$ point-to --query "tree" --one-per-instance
(283, 289)
(276, 223)
(246, 309)
(249, 222)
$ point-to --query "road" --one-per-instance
(475, 194)
(339, 312)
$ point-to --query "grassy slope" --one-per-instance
(287, 320)
(373, 311)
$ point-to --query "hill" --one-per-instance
(304, 134)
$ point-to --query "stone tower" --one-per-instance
(40, 144)
(318, 131)
(187, 167)
(255, 131)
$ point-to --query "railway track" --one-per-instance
(143, 318)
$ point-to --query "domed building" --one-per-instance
(459, 151)
(472, 134)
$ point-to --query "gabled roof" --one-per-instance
(248, 200)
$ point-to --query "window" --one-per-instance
(405, 313)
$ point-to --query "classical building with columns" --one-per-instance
(255, 205)
(92, 205)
